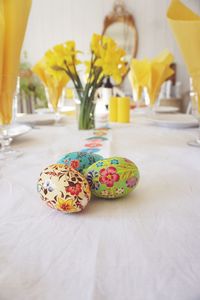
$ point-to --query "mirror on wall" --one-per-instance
(120, 25)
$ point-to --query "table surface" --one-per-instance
(143, 247)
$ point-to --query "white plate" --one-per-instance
(44, 111)
(67, 109)
(36, 119)
(165, 109)
(174, 120)
(17, 129)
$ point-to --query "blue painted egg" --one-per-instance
(79, 160)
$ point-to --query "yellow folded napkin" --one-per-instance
(138, 76)
(185, 24)
(2, 30)
(54, 85)
(160, 71)
(13, 20)
(151, 74)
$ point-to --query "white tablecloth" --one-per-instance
(143, 247)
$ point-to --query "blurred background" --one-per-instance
(53, 22)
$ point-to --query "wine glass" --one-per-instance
(195, 104)
(6, 151)
(54, 98)
(151, 101)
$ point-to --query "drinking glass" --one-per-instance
(6, 150)
(151, 104)
(54, 100)
(195, 101)
(67, 104)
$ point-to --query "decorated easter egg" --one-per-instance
(63, 188)
(112, 177)
(79, 160)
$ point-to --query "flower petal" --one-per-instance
(111, 170)
(103, 172)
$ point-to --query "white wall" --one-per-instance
(55, 21)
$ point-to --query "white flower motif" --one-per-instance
(105, 193)
(48, 185)
(119, 191)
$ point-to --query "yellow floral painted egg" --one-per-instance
(113, 177)
(63, 188)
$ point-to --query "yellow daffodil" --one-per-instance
(111, 60)
(60, 62)
(89, 71)
(88, 66)
(96, 44)
(63, 56)
(108, 57)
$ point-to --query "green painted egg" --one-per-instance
(113, 177)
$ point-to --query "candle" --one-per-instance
(113, 102)
(123, 110)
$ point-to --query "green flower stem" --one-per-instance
(86, 116)
(87, 106)
(79, 83)
(86, 95)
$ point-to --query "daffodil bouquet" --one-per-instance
(107, 60)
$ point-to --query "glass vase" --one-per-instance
(86, 119)
(85, 108)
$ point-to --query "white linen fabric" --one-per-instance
(143, 247)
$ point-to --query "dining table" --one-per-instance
(145, 246)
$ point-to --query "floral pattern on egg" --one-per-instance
(63, 188)
(113, 177)
(79, 160)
